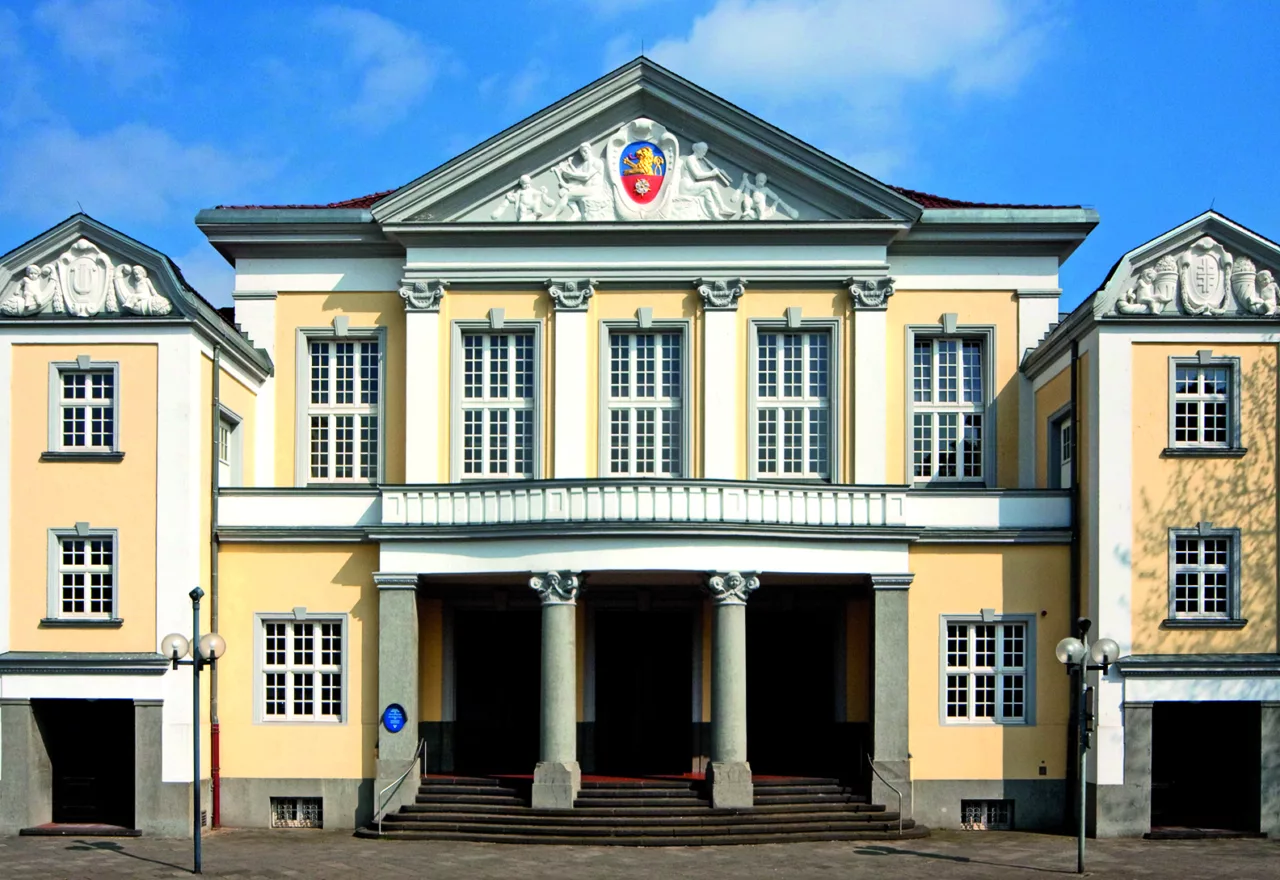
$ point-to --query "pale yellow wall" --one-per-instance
(119, 495)
(239, 398)
(857, 679)
(963, 580)
(372, 309)
(1052, 396)
(998, 308)
(1180, 492)
(430, 660)
(277, 578)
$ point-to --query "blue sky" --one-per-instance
(145, 111)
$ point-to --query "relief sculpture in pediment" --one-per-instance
(82, 283)
(1203, 280)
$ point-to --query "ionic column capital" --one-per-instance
(720, 294)
(731, 587)
(423, 295)
(557, 587)
(870, 293)
(571, 296)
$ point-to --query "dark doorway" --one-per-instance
(644, 692)
(1206, 765)
(497, 674)
(791, 691)
(90, 744)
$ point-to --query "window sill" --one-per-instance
(81, 622)
(1204, 452)
(952, 722)
(67, 455)
(1204, 623)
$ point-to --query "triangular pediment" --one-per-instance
(1206, 268)
(642, 144)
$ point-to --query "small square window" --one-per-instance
(1204, 577)
(301, 668)
(83, 588)
(1204, 406)
(987, 671)
(84, 409)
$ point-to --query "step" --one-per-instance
(637, 792)
(658, 783)
(543, 818)
(794, 780)
(704, 807)
(907, 833)
(479, 790)
(841, 798)
(479, 800)
(448, 779)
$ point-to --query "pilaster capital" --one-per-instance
(720, 294)
(571, 296)
(423, 295)
(891, 581)
(731, 587)
(870, 293)
(394, 580)
(556, 587)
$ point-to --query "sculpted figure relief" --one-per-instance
(135, 293)
(83, 282)
(530, 203)
(583, 189)
(36, 289)
(700, 179)
(1204, 280)
(754, 196)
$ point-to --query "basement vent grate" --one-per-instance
(297, 812)
(986, 815)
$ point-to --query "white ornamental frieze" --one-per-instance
(83, 283)
(641, 173)
(1203, 280)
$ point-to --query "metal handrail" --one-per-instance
(872, 765)
(393, 787)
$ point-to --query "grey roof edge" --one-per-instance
(87, 663)
(1198, 665)
(214, 216)
(1028, 214)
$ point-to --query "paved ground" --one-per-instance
(315, 855)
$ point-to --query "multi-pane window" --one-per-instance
(302, 670)
(342, 413)
(87, 409)
(948, 409)
(645, 405)
(986, 672)
(1201, 577)
(86, 576)
(793, 404)
(498, 404)
(1201, 405)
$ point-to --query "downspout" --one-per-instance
(1073, 589)
(215, 762)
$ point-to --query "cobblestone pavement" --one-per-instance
(315, 855)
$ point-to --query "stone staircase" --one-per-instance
(665, 811)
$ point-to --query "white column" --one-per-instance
(558, 776)
(729, 773)
(869, 298)
(256, 315)
(569, 431)
(422, 380)
(1037, 313)
(721, 368)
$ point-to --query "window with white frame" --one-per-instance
(229, 445)
(793, 403)
(986, 674)
(86, 401)
(86, 576)
(498, 406)
(1204, 575)
(302, 670)
(1062, 450)
(1204, 405)
(345, 376)
(948, 412)
(645, 403)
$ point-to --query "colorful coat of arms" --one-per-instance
(643, 168)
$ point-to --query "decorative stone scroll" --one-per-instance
(731, 587)
(423, 296)
(82, 283)
(556, 587)
(571, 295)
(1203, 280)
(870, 293)
(720, 294)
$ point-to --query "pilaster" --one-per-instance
(1037, 313)
(1269, 781)
(729, 773)
(422, 378)
(869, 300)
(256, 315)
(570, 300)
(890, 757)
(557, 777)
(26, 775)
(397, 679)
(721, 366)
(1124, 809)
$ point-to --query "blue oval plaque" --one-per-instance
(393, 718)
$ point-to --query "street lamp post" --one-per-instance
(205, 651)
(1075, 654)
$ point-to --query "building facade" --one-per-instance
(641, 439)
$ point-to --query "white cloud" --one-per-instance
(206, 271)
(393, 64)
(131, 173)
(121, 38)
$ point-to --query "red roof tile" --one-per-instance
(358, 202)
(929, 200)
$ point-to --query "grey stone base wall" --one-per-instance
(1037, 803)
(348, 803)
